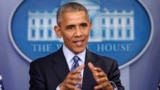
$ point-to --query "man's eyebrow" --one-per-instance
(84, 23)
(69, 26)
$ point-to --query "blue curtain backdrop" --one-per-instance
(144, 74)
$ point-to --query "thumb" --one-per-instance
(91, 66)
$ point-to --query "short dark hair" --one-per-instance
(70, 7)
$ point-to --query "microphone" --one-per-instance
(1, 83)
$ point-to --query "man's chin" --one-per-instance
(79, 50)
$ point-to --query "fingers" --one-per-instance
(96, 71)
(104, 86)
(100, 77)
(102, 83)
(91, 66)
(80, 68)
(76, 73)
(73, 78)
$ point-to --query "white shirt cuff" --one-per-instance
(58, 88)
(114, 85)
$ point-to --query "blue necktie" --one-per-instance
(75, 65)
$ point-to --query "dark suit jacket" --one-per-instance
(48, 72)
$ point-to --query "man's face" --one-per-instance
(74, 29)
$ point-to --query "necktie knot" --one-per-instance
(76, 59)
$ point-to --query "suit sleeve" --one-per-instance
(115, 76)
(36, 77)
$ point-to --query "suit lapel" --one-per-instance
(60, 65)
(88, 77)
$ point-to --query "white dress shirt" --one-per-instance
(69, 56)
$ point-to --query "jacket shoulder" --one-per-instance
(102, 58)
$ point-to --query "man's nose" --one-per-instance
(78, 31)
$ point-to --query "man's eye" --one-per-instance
(84, 25)
(70, 27)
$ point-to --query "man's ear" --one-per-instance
(57, 31)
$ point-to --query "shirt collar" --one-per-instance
(69, 54)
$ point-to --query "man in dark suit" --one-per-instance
(54, 72)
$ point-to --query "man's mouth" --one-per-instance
(79, 42)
